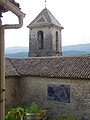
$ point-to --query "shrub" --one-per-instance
(67, 117)
(15, 114)
(33, 108)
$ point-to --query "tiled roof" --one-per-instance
(59, 67)
(10, 70)
(46, 15)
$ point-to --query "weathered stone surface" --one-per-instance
(35, 89)
(11, 92)
(49, 26)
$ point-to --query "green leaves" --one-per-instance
(67, 117)
(32, 109)
(15, 114)
(35, 110)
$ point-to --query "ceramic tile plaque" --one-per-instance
(58, 92)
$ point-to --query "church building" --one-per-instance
(45, 35)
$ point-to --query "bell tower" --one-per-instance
(45, 35)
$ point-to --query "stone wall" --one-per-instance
(33, 43)
(35, 89)
(11, 84)
(24, 90)
(49, 42)
(54, 40)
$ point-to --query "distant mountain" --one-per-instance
(12, 50)
(79, 47)
(17, 55)
(74, 53)
(76, 50)
(72, 50)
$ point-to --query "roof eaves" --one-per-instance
(58, 77)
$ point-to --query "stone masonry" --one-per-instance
(35, 89)
(51, 35)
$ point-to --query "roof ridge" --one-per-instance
(52, 57)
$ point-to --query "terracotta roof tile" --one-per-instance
(60, 67)
(10, 70)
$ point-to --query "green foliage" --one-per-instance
(67, 117)
(63, 117)
(32, 109)
(36, 110)
(15, 114)
(55, 118)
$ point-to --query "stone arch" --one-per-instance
(40, 39)
(57, 42)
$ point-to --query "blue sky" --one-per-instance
(74, 16)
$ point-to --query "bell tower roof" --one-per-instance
(45, 18)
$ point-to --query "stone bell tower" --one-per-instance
(45, 35)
